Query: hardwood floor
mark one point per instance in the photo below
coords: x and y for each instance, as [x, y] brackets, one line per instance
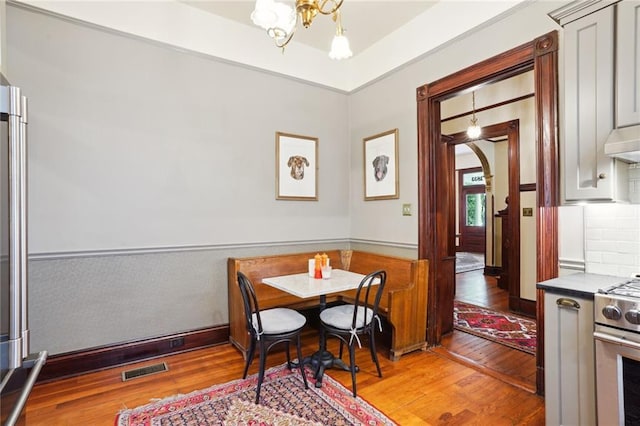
[502, 362]
[420, 388]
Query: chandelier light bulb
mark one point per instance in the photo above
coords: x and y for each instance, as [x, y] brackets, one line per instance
[474, 131]
[340, 48]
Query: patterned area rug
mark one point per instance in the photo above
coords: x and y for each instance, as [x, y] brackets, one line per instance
[466, 262]
[283, 401]
[507, 329]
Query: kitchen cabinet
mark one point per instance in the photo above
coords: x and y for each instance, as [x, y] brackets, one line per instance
[628, 64]
[569, 366]
[600, 94]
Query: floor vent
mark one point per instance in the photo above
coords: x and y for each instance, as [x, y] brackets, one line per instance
[144, 371]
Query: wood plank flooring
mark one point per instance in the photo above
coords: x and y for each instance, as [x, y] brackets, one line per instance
[511, 365]
[422, 388]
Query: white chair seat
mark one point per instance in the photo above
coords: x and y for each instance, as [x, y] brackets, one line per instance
[341, 316]
[279, 320]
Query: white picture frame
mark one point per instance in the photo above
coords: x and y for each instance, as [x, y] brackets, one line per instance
[381, 166]
[296, 167]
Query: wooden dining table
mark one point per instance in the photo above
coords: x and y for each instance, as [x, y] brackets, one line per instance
[304, 286]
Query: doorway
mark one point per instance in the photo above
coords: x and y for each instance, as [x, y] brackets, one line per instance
[436, 161]
[472, 211]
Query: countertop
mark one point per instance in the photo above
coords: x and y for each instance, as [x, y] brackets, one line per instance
[580, 284]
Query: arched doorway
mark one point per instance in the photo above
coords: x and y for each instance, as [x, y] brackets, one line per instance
[436, 240]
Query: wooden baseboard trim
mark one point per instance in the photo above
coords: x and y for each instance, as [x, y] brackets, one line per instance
[492, 271]
[523, 306]
[94, 359]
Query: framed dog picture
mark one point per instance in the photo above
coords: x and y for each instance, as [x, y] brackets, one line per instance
[296, 167]
[381, 166]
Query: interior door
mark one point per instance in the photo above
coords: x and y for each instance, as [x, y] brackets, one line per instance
[472, 210]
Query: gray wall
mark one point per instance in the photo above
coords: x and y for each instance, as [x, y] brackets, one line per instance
[150, 166]
[138, 151]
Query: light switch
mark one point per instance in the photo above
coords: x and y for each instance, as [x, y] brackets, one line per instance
[406, 210]
[527, 211]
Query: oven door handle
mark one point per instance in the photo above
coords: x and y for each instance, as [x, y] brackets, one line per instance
[607, 338]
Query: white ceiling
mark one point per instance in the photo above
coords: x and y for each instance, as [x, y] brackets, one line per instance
[365, 22]
[384, 35]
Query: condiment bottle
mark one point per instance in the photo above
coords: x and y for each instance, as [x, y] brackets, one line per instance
[318, 267]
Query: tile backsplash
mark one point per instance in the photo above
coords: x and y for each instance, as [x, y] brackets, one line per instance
[612, 239]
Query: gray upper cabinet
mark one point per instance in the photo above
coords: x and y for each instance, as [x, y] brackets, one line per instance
[588, 106]
[601, 92]
[628, 64]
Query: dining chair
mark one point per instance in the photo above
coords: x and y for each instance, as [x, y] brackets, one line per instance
[269, 328]
[348, 322]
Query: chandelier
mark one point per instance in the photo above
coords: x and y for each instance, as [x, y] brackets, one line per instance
[280, 20]
[474, 131]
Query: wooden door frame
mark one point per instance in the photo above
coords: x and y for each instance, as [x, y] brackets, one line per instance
[435, 159]
[510, 129]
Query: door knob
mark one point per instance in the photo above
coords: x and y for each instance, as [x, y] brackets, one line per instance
[602, 176]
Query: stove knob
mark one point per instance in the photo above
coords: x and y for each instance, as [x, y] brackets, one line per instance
[612, 312]
[633, 316]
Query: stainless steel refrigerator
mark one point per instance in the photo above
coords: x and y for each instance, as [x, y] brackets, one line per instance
[19, 368]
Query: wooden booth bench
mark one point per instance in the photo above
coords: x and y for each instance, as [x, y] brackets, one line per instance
[403, 302]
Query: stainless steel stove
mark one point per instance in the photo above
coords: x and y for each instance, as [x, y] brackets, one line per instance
[619, 305]
[617, 341]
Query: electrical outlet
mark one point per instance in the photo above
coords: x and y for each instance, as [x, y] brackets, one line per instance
[177, 342]
[406, 210]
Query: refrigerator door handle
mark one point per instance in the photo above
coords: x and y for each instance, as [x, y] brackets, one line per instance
[15, 344]
[24, 320]
[24, 395]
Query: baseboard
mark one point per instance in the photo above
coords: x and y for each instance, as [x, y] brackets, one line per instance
[94, 359]
[492, 271]
[523, 306]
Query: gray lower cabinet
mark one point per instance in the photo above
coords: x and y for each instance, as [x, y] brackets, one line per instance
[569, 367]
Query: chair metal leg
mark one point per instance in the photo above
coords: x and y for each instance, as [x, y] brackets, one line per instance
[263, 356]
[286, 347]
[341, 345]
[300, 363]
[352, 367]
[250, 354]
[374, 354]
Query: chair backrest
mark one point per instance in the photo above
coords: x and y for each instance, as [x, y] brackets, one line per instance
[367, 298]
[250, 301]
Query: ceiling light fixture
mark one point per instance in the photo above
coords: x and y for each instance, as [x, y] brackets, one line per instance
[474, 131]
[280, 20]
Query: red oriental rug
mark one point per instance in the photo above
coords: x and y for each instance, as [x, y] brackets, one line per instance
[283, 401]
[507, 329]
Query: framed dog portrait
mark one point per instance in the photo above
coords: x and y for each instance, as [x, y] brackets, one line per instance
[296, 167]
[381, 166]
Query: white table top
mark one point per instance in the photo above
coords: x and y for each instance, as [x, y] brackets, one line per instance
[302, 285]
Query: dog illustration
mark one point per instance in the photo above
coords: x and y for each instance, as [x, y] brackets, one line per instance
[380, 167]
[297, 164]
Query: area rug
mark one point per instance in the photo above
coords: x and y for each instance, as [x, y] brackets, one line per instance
[283, 401]
[466, 262]
[507, 329]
